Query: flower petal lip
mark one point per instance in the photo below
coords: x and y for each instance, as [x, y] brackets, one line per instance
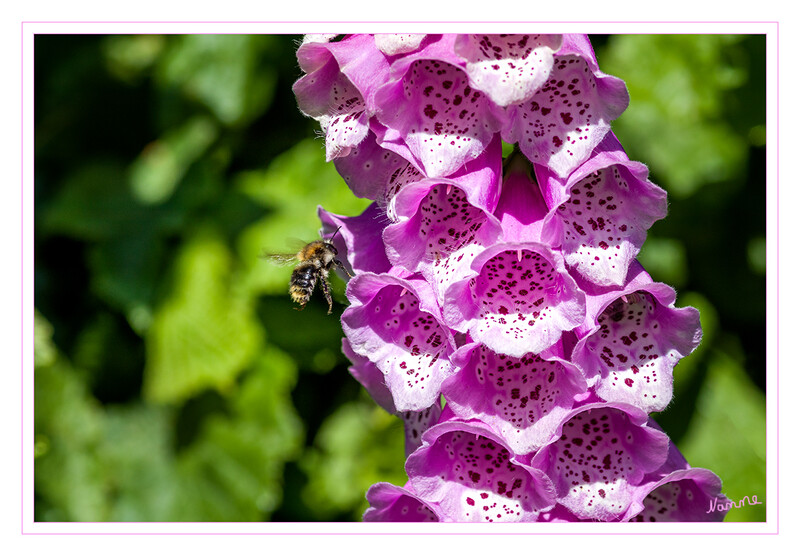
[507, 68]
[480, 181]
[371, 172]
[522, 399]
[437, 48]
[318, 37]
[355, 56]
[676, 491]
[599, 215]
[559, 514]
[393, 503]
[395, 323]
[392, 44]
[356, 239]
[682, 495]
[470, 474]
[571, 113]
[415, 424]
[338, 88]
[632, 339]
[372, 379]
[430, 108]
[519, 299]
[438, 231]
[599, 455]
[330, 98]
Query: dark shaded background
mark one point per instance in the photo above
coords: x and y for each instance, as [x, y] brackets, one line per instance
[174, 381]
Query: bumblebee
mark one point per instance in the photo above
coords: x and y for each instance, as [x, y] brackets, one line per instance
[315, 262]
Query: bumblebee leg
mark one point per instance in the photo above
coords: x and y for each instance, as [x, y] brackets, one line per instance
[338, 263]
[326, 289]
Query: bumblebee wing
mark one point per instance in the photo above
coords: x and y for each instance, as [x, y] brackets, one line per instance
[295, 244]
[280, 258]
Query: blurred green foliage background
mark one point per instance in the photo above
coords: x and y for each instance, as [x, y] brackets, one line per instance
[173, 379]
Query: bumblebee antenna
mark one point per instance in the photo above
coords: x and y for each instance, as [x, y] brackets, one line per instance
[334, 234]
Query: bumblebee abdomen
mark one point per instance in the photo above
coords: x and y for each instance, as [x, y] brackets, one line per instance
[299, 295]
[302, 283]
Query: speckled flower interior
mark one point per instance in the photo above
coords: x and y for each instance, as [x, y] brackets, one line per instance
[497, 306]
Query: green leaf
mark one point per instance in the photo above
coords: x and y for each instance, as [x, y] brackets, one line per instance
[203, 334]
[129, 56]
[44, 351]
[125, 270]
[95, 203]
[68, 431]
[728, 433]
[665, 260]
[291, 189]
[265, 396]
[676, 118]
[234, 471]
[222, 72]
[308, 335]
[139, 463]
[118, 463]
[155, 174]
[356, 447]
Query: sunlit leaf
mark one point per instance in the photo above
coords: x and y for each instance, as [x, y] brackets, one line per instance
[155, 174]
[222, 72]
[665, 260]
[202, 335]
[233, 471]
[44, 352]
[128, 56]
[356, 447]
[139, 464]
[729, 402]
[68, 429]
[675, 120]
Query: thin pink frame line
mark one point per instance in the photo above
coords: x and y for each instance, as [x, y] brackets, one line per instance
[22, 270]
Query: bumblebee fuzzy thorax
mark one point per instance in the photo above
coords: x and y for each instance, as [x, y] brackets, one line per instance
[321, 251]
[316, 260]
